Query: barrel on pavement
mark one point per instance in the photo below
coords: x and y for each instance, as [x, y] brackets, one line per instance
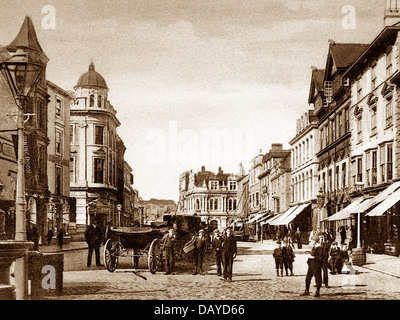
[45, 273]
[358, 256]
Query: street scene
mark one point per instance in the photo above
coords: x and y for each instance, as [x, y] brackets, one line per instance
[254, 278]
[181, 150]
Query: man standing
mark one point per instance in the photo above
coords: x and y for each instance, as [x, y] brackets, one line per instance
[314, 268]
[94, 237]
[229, 251]
[200, 247]
[217, 248]
[297, 237]
[168, 245]
[325, 245]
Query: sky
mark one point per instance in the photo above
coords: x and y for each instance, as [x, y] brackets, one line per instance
[200, 82]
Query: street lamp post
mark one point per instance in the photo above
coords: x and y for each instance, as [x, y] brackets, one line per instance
[22, 74]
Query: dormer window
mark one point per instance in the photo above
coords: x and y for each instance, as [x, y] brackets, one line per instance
[214, 185]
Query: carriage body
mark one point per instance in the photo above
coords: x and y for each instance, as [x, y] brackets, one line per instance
[146, 241]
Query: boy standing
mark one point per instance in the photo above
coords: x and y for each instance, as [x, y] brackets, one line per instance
[278, 256]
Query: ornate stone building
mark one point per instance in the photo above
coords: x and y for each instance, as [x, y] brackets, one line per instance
[211, 196]
[93, 151]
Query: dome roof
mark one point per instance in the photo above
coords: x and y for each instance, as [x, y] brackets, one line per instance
[91, 78]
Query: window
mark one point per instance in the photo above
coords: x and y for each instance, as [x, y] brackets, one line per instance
[98, 135]
[373, 75]
[58, 186]
[347, 120]
[98, 164]
[389, 163]
[388, 64]
[99, 101]
[374, 164]
[344, 175]
[373, 120]
[368, 169]
[382, 162]
[340, 125]
[59, 142]
[359, 170]
[91, 103]
[232, 185]
[326, 135]
[257, 199]
[389, 113]
[72, 170]
[359, 128]
[337, 177]
[328, 90]
[58, 107]
[214, 185]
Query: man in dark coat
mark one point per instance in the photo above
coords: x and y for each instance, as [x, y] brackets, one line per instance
[200, 247]
[325, 245]
[298, 238]
[94, 237]
[314, 268]
[229, 251]
[217, 249]
[168, 245]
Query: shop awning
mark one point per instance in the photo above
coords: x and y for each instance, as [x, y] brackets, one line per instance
[268, 216]
[257, 217]
[288, 219]
[346, 212]
[277, 222]
[271, 219]
[389, 202]
[362, 205]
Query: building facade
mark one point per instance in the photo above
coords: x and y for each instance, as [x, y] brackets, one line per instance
[304, 165]
[58, 150]
[333, 115]
[94, 151]
[211, 196]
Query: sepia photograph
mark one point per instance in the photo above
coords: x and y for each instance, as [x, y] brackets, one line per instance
[200, 157]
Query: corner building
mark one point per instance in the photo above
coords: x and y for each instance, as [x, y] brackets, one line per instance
[93, 163]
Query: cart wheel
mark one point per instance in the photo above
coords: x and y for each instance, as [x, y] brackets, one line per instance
[112, 250]
[154, 256]
[135, 259]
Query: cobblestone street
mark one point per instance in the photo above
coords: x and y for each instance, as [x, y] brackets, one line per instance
[254, 279]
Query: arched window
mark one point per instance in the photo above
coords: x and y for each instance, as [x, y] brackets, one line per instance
[91, 103]
[99, 101]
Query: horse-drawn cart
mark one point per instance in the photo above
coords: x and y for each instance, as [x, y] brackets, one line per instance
[141, 241]
[146, 241]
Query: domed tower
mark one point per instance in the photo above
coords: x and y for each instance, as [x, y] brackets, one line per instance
[93, 150]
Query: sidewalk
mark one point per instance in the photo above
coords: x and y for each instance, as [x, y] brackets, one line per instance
[66, 247]
[382, 263]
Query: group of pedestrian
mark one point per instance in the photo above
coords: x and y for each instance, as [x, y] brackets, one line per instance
[325, 255]
[225, 251]
[284, 258]
[33, 235]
